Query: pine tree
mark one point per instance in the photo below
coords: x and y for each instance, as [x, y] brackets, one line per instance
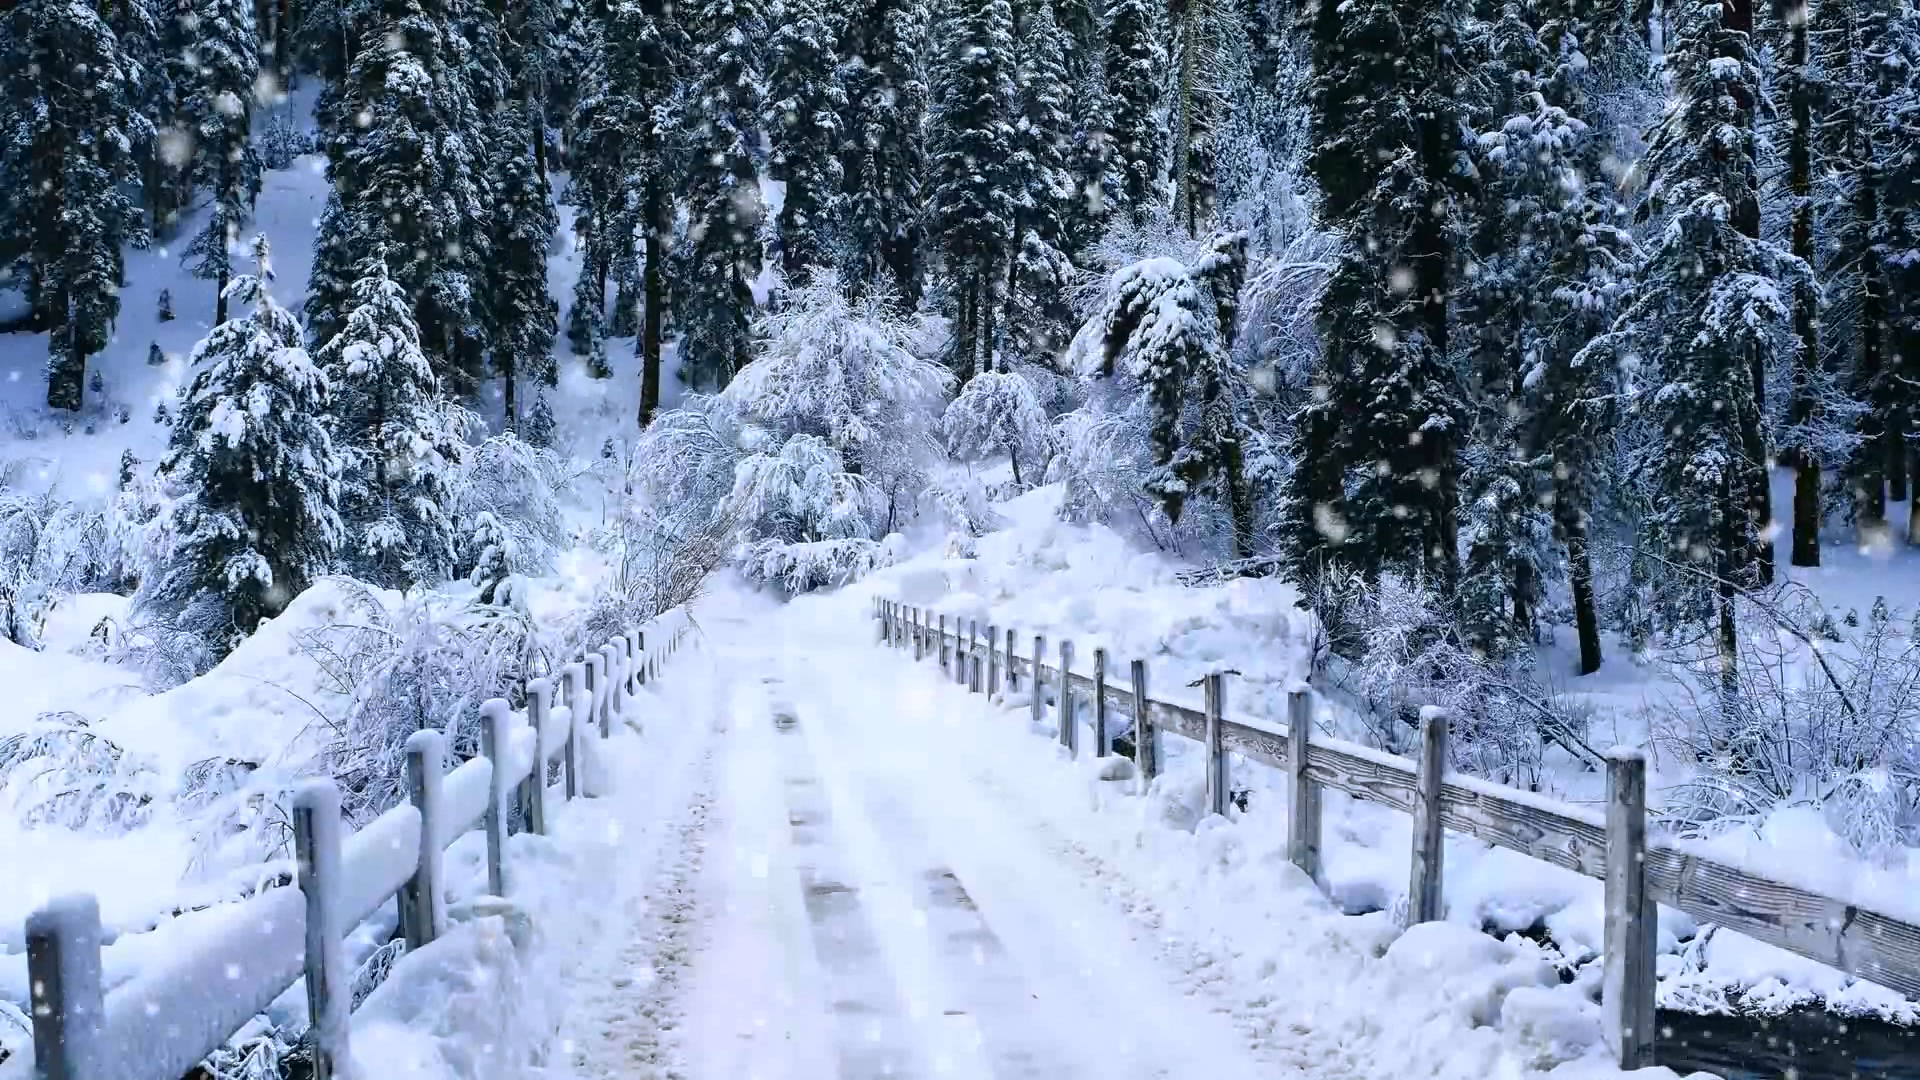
[255, 520]
[973, 188]
[804, 101]
[1195, 108]
[1046, 195]
[1709, 316]
[220, 109]
[393, 437]
[492, 562]
[524, 224]
[1892, 41]
[403, 154]
[1379, 490]
[1134, 65]
[885, 156]
[723, 193]
[68, 148]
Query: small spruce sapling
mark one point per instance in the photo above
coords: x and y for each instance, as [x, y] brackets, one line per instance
[492, 561]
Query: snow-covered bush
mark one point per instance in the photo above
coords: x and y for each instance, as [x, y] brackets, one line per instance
[49, 548]
[998, 413]
[520, 485]
[492, 550]
[59, 773]
[1831, 723]
[429, 663]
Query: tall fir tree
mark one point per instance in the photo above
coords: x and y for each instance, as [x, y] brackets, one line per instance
[883, 166]
[69, 145]
[220, 108]
[1379, 443]
[1045, 194]
[1135, 64]
[404, 158]
[393, 437]
[974, 186]
[725, 103]
[255, 519]
[1711, 314]
[804, 103]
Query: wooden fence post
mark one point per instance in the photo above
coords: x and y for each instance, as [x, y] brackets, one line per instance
[919, 637]
[973, 656]
[423, 915]
[634, 652]
[1039, 683]
[993, 659]
[1101, 743]
[1063, 701]
[67, 1003]
[1146, 736]
[596, 666]
[941, 643]
[1303, 818]
[1632, 919]
[1013, 678]
[1219, 793]
[1429, 839]
[959, 655]
[576, 677]
[316, 847]
[615, 678]
[494, 718]
[533, 807]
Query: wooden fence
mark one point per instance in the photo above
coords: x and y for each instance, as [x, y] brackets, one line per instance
[1640, 867]
[244, 955]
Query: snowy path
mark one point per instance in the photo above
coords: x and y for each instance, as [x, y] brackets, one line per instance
[842, 867]
[831, 897]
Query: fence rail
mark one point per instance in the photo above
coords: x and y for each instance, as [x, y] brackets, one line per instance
[244, 955]
[1640, 868]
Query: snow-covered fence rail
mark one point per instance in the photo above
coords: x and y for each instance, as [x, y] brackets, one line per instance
[1639, 867]
[241, 957]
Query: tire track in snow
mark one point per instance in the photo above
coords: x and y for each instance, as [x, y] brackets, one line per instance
[635, 1011]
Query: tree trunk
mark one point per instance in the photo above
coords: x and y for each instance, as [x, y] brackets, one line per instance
[1586, 620]
[220, 297]
[1187, 27]
[509, 390]
[653, 288]
[988, 301]
[1801, 410]
[1869, 491]
[67, 370]
[1896, 444]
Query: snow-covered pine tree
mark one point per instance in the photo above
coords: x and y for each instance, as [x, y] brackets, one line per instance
[974, 182]
[518, 301]
[492, 559]
[1711, 313]
[256, 483]
[69, 148]
[998, 413]
[1046, 196]
[394, 438]
[404, 153]
[804, 103]
[725, 104]
[1196, 106]
[884, 163]
[1892, 40]
[1135, 63]
[220, 109]
[1163, 338]
[1378, 486]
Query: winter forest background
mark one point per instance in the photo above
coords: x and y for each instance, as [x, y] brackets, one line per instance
[1538, 346]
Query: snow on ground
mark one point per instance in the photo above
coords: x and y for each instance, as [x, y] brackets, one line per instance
[899, 879]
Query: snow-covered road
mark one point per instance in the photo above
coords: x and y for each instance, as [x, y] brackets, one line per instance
[839, 866]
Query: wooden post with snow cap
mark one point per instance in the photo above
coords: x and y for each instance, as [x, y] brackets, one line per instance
[67, 1001]
[959, 655]
[940, 643]
[993, 659]
[1146, 736]
[1102, 744]
[1303, 795]
[973, 656]
[494, 741]
[596, 710]
[1429, 837]
[575, 675]
[1632, 919]
[329, 982]
[616, 678]
[423, 915]
[1039, 683]
[1219, 793]
[635, 651]
[919, 637]
[533, 804]
[1063, 701]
